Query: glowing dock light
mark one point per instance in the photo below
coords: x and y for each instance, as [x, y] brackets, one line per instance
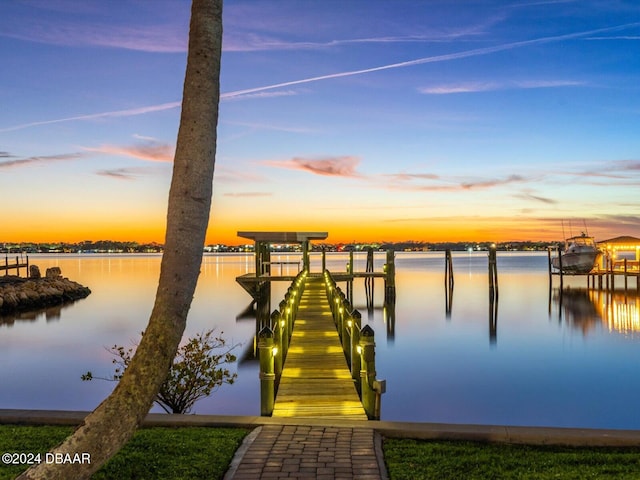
[274, 351]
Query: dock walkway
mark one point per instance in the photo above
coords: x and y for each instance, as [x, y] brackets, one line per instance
[316, 381]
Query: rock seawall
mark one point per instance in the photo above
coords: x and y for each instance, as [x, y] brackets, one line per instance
[19, 294]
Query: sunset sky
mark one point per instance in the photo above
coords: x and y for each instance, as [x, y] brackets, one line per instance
[372, 120]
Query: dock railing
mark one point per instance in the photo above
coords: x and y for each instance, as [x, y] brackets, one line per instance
[21, 262]
[359, 348]
[274, 340]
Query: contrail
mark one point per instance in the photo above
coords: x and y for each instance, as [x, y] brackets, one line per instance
[437, 58]
[433, 59]
[92, 116]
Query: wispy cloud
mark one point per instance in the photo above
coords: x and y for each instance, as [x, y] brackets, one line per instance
[472, 87]
[536, 198]
[41, 160]
[118, 174]
[343, 166]
[248, 194]
[614, 170]
[349, 73]
[438, 58]
[253, 42]
[492, 182]
[276, 128]
[436, 183]
[152, 151]
[167, 38]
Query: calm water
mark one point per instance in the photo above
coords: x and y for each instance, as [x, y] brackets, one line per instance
[540, 362]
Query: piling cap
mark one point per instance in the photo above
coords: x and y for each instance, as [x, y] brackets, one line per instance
[266, 332]
[367, 331]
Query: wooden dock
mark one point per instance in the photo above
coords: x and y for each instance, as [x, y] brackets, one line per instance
[316, 381]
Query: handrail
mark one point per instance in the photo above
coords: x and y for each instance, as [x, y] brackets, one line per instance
[359, 348]
[273, 343]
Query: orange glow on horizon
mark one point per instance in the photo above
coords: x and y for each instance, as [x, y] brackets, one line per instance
[148, 227]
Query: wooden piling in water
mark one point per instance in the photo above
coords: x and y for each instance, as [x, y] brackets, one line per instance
[448, 282]
[493, 273]
[390, 278]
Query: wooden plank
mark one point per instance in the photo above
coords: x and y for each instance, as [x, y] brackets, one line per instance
[316, 381]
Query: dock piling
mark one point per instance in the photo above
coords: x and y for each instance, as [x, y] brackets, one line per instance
[267, 372]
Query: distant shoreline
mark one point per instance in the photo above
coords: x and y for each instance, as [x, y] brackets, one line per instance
[108, 247]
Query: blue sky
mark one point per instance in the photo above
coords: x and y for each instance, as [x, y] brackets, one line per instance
[376, 120]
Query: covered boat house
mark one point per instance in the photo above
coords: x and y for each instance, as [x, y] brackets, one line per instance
[620, 253]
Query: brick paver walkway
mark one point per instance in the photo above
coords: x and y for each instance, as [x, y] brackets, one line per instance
[309, 452]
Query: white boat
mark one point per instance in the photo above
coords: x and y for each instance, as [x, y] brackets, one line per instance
[579, 255]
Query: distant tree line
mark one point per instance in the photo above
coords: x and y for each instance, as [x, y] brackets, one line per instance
[112, 246]
[87, 246]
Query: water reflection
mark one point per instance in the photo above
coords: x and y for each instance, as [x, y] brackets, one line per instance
[50, 314]
[458, 371]
[588, 309]
[619, 312]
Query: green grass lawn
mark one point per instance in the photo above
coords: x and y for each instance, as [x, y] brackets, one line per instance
[153, 453]
[201, 452]
[439, 460]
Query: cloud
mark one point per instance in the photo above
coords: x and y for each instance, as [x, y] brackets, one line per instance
[170, 37]
[126, 173]
[248, 91]
[493, 86]
[411, 176]
[415, 182]
[493, 182]
[344, 166]
[615, 170]
[253, 42]
[248, 194]
[266, 126]
[118, 174]
[153, 151]
[537, 198]
[5, 155]
[21, 162]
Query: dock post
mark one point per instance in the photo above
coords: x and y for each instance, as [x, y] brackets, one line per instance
[324, 258]
[345, 316]
[284, 324]
[493, 274]
[354, 329]
[390, 277]
[448, 282]
[267, 372]
[368, 373]
[625, 275]
[278, 346]
[613, 276]
[350, 281]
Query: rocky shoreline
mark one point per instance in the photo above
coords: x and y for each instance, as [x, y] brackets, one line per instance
[21, 294]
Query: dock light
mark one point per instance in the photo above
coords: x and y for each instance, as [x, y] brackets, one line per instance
[349, 323]
[282, 323]
[341, 310]
[359, 349]
[274, 351]
[288, 310]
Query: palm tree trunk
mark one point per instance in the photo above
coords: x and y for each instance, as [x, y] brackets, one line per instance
[114, 421]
